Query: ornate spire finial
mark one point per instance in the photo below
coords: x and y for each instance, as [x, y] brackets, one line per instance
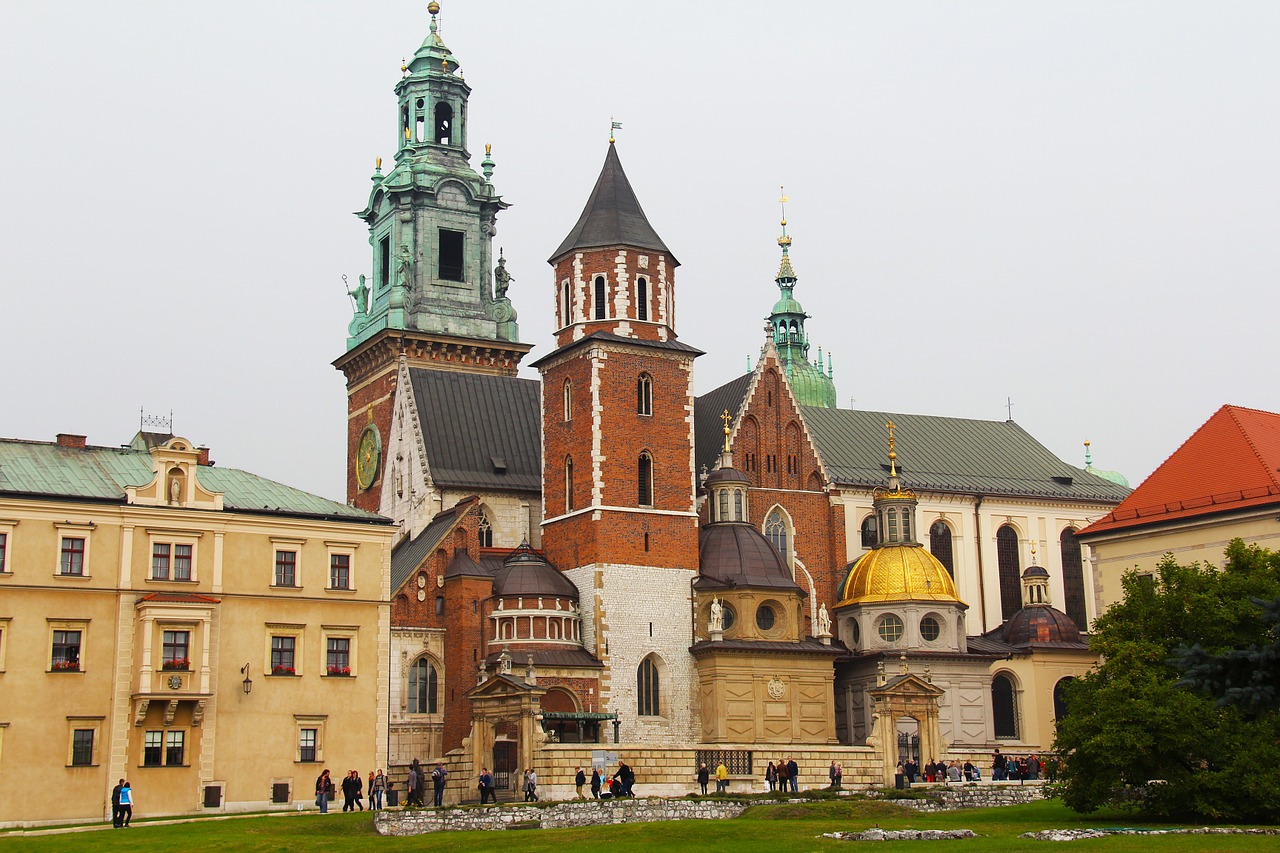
[433, 8]
[784, 241]
[726, 418]
[613, 125]
[1088, 456]
[377, 164]
[404, 67]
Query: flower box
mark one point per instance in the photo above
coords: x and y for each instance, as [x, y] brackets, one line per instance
[340, 671]
[282, 670]
[66, 666]
[178, 664]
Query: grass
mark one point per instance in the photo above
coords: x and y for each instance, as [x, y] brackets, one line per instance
[790, 826]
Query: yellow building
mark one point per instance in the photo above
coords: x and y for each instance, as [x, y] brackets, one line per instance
[212, 636]
[1220, 484]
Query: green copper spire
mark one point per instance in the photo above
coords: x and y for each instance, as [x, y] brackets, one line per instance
[809, 383]
[432, 217]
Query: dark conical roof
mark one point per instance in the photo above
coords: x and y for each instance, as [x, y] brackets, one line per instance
[613, 216]
[525, 573]
[739, 555]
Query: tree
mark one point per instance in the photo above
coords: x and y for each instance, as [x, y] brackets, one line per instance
[1138, 734]
[1247, 678]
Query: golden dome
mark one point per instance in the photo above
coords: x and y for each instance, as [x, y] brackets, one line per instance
[897, 573]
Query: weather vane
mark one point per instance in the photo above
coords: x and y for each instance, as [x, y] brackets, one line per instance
[613, 125]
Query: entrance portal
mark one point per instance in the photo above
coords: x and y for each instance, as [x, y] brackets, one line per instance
[908, 739]
[504, 764]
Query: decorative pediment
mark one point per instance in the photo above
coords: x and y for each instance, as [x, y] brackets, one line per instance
[503, 686]
[175, 479]
[907, 685]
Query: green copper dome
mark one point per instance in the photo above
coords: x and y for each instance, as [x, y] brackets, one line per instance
[1111, 476]
[811, 386]
[811, 383]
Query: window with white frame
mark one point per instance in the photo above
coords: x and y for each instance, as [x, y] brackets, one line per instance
[309, 736]
[4, 551]
[71, 559]
[172, 561]
[284, 648]
[66, 640]
[340, 651]
[83, 741]
[568, 399]
[4, 639]
[286, 571]
[423, 687]
[339, 571]
[644, 394]
[175, 650]
[307, 739]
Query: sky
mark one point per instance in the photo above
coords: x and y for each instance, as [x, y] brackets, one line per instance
[1071, 205]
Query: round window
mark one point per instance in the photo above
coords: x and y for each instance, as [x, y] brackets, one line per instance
[891, 629]
[855, 630]
[726, 618]
[930, 629]
[765, 617]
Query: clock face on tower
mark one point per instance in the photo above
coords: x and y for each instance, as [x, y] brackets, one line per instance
[368, 456]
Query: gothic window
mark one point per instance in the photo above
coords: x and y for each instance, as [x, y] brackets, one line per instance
[423, 684]
[1004, 708]
[568, 483]
[775, 530]
[644, 394]
[642, 299]
[444, 124]
[486, 530]
[648, 696]
[644, 477]
[1010, 571]
[451, 254]
[940, 546]
[566, 306]
[870, 535]
[568, 400]
[599, 301]
[1073, 578]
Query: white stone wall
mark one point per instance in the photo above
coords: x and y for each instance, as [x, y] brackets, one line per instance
[415, 735]
[630, 612]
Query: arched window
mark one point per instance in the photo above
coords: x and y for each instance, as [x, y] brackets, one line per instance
[870, 535]
[775, 530]
[940, 546]
[1073, 579]
[739, 507]
[1004, 708]
[1010, 571]
[642, 298]
[644, 478]
[486, 530]
[644, 394]
[724, 506]
[648, 696]
[444, 124]
[566, 306]
[568, 483]
[599, 302]
[568, 400]
[1060, 698]
[423, 684]
[420, 125]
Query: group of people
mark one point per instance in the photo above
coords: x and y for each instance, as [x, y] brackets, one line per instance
[354, 790]
[778, 776]
[121, 805]
[416, 784]
[1003, 768]
[1009, 768]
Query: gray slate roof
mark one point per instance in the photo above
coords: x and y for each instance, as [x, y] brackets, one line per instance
[935, 453]
[613, 216]
[473, 424]
[410, 553]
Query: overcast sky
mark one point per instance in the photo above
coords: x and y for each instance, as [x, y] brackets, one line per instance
[1074, 205]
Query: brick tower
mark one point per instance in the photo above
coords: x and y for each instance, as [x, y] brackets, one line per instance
[618, 481]
[437, 294]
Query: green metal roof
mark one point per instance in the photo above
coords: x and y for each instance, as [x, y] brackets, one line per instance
[44, 469]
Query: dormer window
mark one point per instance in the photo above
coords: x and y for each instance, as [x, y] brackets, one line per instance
[444, 124]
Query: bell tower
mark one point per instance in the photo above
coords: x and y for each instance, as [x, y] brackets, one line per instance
[437, 291]
[618, 482]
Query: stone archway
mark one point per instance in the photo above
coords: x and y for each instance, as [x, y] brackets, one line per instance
[895, 700]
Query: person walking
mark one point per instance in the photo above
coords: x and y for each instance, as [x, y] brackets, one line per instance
[704, 776]
[438, 777]
[771, 776]
[324, 790]
[413, 797]
[597, 782]
[831, 774]
[377, 789]
[793, 774]
[126, 804]
[997, 766]
[115, 805]
[722, 778]
[579, 780]
[486, 787]
[349, 788]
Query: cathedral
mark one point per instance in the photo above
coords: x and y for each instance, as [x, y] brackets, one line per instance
[601, 562]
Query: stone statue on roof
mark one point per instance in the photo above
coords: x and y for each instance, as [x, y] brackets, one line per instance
[717, 616]
[502, 279]
[824, 621]
[360, 296]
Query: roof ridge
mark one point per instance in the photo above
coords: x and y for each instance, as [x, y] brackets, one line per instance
[1248, 437]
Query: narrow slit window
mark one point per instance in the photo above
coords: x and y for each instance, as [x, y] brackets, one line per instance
[644, 471]
[384, 261]
[642, 299]
[599, 302]
[420, 126]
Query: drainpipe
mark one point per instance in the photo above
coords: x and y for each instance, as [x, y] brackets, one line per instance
[693, 611]
[982, 590]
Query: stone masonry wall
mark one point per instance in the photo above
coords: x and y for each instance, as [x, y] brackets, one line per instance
[556, 817]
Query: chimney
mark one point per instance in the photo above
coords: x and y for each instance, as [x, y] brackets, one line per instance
[202, 456]
[66, 439]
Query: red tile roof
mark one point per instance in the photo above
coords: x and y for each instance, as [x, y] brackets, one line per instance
[1230, 463]
[179, 598]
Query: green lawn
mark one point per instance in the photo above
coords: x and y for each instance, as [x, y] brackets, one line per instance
[790, 827]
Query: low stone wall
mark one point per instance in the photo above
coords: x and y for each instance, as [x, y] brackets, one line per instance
[570, 814]
[973, 796]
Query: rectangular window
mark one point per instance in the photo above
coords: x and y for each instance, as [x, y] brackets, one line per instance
[66, 651]
[451, 254]
[174, 746]
[160, 561]
[340, 571]
[384, 262]
[338, 656]
[286, 568]
[4, 550]
[152, 749]
[176, 648]
[82, 748]
[439, 605]
[282, 655]
[72, 556]
[307, 744]
[182, 562]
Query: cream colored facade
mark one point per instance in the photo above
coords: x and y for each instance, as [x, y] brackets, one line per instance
[109, 671]
[1201, 539]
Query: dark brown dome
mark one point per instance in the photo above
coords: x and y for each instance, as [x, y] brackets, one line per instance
[1035, 572]
[725, 475]
[738, 555]
[526, 574]
[1041, 625]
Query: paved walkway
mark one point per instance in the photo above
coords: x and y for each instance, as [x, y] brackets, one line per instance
[141, 824]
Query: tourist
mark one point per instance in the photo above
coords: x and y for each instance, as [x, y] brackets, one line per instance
[1033, 767]
[597, 781]
[771, 776]
[486, 787]
[530, 786]
[722, 778]
[117, 817]
[438, 775]
[580, 779]
[324, 791]
[839, 775]
[704, 776]
[930, 771]
[377, 789]
[126, 804]
[793, 774]
[628, 778]
[782, 775]
[350, 790]
[997, 766]
[415, 780]
[953, 772]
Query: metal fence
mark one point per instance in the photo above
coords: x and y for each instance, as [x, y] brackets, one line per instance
[736, 761]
